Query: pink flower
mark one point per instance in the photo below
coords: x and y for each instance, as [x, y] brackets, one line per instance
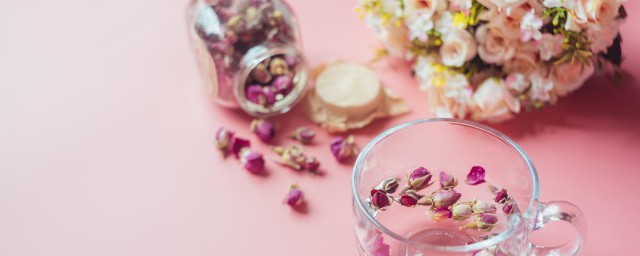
[379, 248]
[508, 207]
[458, 47]
[409, 198]
[283, 85]
[237, 144]
[343, 148]
[304, 135]
[501, 196]
[568, 77]
[264, 129]
[445, 198]
[223, 140]
[380, 200]
[495, 46]
[517, 82]
[441, 214]
[530, 27]
[252, 161]
[484, 207]
[549, 45]
[311, 164]
[420, 178]
[295, 197]
[461, 211]
[493, 102]
[447, 181]
[486, 221]
[389, 185]
[476, 176]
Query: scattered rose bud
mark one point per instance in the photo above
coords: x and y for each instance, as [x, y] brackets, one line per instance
[441, 214]
[389, 185]
[501, 196]
[461, 211]
[311, 164]
[237, 144]
[295, 196]
[447, 181]
[343, 148]
[380, 200]
[483, 222]
[264, 129]
[304, 135]
[278, 66]
[445, 198]
[291, 157]
[409, 198]
[252, 160]
[484, 207]
[283, 85]
[420, 178]
[223, 140]
[476, 176]
[261, 74]
[425, 200]
[508, 207]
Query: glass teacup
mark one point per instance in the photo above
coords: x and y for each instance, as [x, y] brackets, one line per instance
[454, 147]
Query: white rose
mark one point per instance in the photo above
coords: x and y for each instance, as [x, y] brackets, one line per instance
[568, 77]
[599, 11]
[427, 8]
[500, 4]
[494, 46]
[493, 102]
[601, 36]
[458, 47]
[452, 98]
[524, 61]
[517, 82]
[541, 87]
[419, 27]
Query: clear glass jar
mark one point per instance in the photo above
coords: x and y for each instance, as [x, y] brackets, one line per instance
[249, 53]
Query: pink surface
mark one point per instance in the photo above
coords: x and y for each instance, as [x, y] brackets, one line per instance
[106, 143]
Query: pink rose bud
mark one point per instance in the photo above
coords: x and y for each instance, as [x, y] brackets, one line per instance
[303, 134]
[291, 60]
[311, 164]
[252, 161]
[425, 200]
[441, 214]
[486, 221]
[283, 85]
[343, 148]
[420, 178]
[409, 198]
[461, 211]
[484, 207]
[255, 94]
[476, 176]
[223, 140]
[264, 129]
[261, 74]
[295, 197]
[380, 200]
[237, 144]
[389, 185]
[269, 96]
[508, 207]
[501, 196]
[447, 181]
[445, 198]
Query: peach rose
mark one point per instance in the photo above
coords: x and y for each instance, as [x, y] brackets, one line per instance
[458, 47]
[568, 77]
[493, 102]
[494, 45]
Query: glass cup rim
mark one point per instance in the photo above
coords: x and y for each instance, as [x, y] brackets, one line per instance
[514, 221]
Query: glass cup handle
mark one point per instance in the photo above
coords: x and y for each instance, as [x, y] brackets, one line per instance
[561, 211]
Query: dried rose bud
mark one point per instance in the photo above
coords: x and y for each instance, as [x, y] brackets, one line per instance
[409, 198]
[264, 129]
[311, 164]
[261, 74]
[501, 196]
[252, 161]
[447, 181]
[278, 66]
[441, 214]
[292, 157]
[291, 60]
[343, 148]
[223, 140]
[483, 222]
[420, 178]
[445, 198]
[425, 200]
[295, 196]
[508, 207]
[304, 135]
[461, 211]
[484, 207]
[380, 199]
[255, 94]
[237, 144]
[389, 185]
[269, 96]
[476, 176]
[283, 85]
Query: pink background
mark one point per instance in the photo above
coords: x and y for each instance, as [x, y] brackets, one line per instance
[106, 140]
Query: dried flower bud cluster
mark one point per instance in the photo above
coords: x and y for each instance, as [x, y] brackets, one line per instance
[443, 202]
[303, 134]
[271, 80]
[295, 158]
[343, 148]
[228, 143]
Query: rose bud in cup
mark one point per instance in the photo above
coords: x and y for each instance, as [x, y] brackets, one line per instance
[445, 198]
[484, 207]
[508, 207]
[447, 181]
[264, 129]
[343, 148]
[295, 197]
[380, 200]
[223, 140]
[409, 198]
[441, 214]
[501, 196]
[420, 178]
[483, 222]
[461, 211]
[252, 161]
[304, 135]
[389, 185]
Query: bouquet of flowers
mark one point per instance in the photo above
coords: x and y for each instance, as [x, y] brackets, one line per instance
[490, 59]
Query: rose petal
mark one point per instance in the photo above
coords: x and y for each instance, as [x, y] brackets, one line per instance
[476, 176]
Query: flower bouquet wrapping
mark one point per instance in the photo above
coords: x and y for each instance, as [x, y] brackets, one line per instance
[491, 59]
